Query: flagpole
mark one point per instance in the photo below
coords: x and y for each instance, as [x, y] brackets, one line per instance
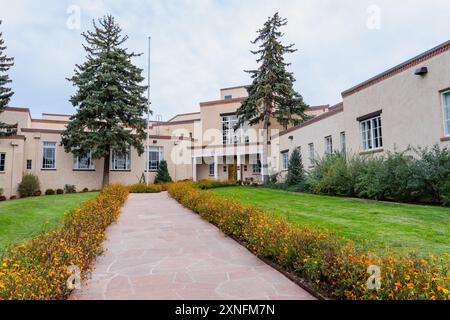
[147, 164]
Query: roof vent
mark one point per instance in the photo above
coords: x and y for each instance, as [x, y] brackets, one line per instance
[421, 71]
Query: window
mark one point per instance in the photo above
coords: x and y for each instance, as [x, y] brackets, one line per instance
[446, 103]
[312, 153]
[49, 156]
[211, 169]
[257, 167]
[120, 162]
[328, 145]
[84, 162]
[371, 133]
[343, 143]
[29, 164]
[285, 160]
[153, 157]
[231, 136]
[228, 97]
[2, 162]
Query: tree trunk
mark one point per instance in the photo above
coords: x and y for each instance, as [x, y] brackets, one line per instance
[265, 153]
[106, 170]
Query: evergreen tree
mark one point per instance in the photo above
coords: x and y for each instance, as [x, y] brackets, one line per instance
[296, 172]
[271, 94]
[5, 93]
[109, 99]
[163, 175]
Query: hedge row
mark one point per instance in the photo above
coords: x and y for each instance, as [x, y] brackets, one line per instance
[416, 175]
[38, 269]
[144, 188]
[331, 264]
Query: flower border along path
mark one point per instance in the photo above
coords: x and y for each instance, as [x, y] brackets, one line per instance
[160, 250]
[39, 269]
[330, 264]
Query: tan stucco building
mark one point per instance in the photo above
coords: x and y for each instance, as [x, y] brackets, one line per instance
[408, 105]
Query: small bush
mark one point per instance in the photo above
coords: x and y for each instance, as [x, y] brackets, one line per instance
[2, 198]
[13, 198]
[144, 188]
[296, 172]
[50, 192]
[59, 191]
[69, 188]
[37, 270]
[332, 264]
[37, 193]
[28, 186]
[212, 184]
[85, 190]
[163, 175]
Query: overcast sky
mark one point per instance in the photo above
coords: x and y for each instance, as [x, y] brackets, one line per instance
[200, 46]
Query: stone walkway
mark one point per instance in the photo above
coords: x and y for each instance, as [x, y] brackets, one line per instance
[159, 250]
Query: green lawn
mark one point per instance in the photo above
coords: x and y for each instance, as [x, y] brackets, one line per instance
[24, 218]
[420, 228]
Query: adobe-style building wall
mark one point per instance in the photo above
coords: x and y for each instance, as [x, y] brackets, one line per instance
[410, 108]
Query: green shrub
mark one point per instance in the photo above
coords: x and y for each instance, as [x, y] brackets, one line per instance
[144, 188]
[85, 190]
[296, 172]
[59, 191]
[28, 186]
[12, 198]
[212, 184]
[163, 175]
[49, 192]
[331, 175]
[69, 188]
[37, 193]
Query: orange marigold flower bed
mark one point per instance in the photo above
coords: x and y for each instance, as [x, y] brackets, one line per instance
[331, 264]
[38, 269]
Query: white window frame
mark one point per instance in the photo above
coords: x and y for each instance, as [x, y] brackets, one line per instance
[3, 161]
[48, 165]
[257, 167]
[343, 142]
[329, 145]
[153, 165]
[446, 112]
[285, 160]
[91, 162]
[116, 157]
[312, 152]
[231, 136]
[371, 134]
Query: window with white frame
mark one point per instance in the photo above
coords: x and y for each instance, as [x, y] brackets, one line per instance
[120, 161]
[154, 156]
[211, 169]
[312, 152]
[371, 133]
[446, 103]
[2, 162]
[257, 167]
[343, 143]
[285, 160]
[84, 162]
[49, 156]
[231, 136]
[329, 145]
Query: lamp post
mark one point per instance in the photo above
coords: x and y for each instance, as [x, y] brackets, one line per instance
[147, 167]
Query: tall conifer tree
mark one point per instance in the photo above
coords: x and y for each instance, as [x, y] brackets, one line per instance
[271, 94]
[5, 92]
[110, 100]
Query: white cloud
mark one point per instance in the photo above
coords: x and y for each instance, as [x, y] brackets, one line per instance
[199, 46]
